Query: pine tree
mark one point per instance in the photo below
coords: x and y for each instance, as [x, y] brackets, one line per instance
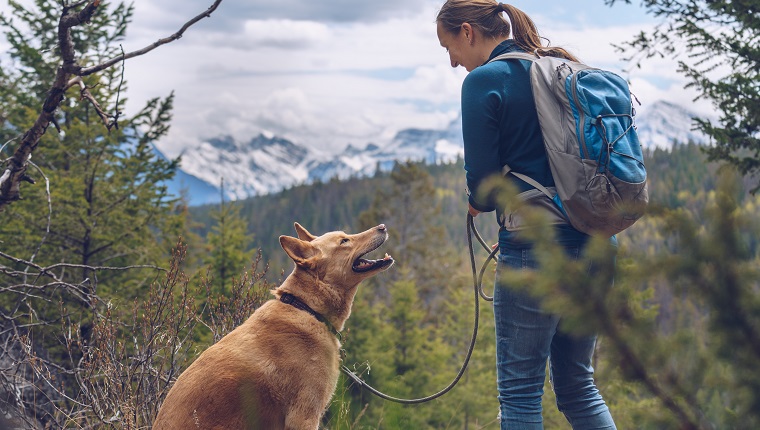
[419, 246]
[718, 46]
[228, 243]
[98, 223]
[395, 350]
[681, 325]
[69, 61]
[474, 399]
[107, 202]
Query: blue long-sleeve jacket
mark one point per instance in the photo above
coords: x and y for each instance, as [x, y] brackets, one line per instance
[500, 125]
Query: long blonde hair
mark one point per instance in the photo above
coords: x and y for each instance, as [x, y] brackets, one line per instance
[485, 15]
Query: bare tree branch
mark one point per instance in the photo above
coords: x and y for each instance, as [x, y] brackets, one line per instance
[90, 70]
[16, 165]
[14, 168]
[87, 95]
[50, 213]
[69, 20]
[49, 269]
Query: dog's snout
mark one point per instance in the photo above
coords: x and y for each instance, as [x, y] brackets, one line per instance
[381, 227]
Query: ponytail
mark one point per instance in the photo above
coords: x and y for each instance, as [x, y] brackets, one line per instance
[526, 35]
[485, 15]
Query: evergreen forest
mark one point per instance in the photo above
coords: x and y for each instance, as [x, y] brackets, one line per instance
[411, 326]
[110, 287]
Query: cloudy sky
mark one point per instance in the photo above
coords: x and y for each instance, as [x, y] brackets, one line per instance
[329, 73]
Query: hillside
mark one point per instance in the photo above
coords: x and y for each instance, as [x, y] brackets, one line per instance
[338, 204]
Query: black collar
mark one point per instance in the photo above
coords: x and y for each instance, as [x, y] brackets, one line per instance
[294, 301]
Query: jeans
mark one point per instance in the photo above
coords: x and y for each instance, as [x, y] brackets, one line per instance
[526, 337]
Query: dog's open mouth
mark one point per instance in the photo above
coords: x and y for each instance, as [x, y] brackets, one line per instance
[362, 265]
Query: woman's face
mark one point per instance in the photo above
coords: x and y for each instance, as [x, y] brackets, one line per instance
[461, 51]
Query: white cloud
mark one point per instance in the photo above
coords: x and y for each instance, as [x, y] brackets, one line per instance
[652, 80]
[276, 34]
[287, 109]
[648, 94]
[333, 11]
[329, 85]
[331, 73]
[285, 33]
[439, 84]
[321, 85]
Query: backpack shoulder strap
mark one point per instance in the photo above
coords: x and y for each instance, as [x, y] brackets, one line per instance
[506, 170]
[516, 55]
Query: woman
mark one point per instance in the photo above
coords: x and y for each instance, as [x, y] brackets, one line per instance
[500, 127]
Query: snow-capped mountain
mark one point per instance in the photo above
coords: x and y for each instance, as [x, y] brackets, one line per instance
[262, 165]
[430, 146]
[268, 163]
[663, 123]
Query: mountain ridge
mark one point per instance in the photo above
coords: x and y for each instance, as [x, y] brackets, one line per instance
[268, 163]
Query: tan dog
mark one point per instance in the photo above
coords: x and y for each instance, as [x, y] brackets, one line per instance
[279, 369]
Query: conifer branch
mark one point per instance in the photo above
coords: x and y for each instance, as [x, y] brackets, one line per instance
[14, 169]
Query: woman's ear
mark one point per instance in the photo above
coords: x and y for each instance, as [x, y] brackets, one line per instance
[468, 32]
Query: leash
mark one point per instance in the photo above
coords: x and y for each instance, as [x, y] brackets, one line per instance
[491, 256]
[478, 290]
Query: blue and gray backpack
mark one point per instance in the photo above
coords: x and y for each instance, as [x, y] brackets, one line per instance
[586, 118]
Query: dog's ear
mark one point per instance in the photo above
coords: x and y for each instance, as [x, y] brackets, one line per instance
[303, 234]
[301, 252]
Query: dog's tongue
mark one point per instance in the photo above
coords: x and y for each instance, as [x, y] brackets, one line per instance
[363, 264]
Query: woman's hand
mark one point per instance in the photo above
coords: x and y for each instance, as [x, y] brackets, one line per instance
[474, 212]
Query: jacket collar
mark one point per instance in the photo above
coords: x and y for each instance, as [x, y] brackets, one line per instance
[508, 45]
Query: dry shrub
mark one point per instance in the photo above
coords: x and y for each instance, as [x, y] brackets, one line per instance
[118, 375]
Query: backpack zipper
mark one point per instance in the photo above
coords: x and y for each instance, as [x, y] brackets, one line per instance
[581, 127]
[563, 70]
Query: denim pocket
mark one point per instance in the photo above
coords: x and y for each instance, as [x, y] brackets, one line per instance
[516, 259]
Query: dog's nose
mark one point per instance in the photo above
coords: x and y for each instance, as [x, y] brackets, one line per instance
[381, 227]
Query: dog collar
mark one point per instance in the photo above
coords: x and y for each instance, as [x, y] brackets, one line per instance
[294, 301]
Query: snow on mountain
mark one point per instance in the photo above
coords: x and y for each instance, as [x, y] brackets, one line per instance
[268, 163]
[260, 166]
[665, 123]
[430, 146]
[185, 184]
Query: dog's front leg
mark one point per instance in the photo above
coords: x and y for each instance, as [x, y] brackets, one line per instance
[302, 422]
[303, 418]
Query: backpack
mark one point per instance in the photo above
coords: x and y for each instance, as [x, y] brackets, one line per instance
[586, 118]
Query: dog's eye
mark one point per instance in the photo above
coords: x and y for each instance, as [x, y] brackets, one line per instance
[344, 240]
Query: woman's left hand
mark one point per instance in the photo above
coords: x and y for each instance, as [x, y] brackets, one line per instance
[474, 212]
